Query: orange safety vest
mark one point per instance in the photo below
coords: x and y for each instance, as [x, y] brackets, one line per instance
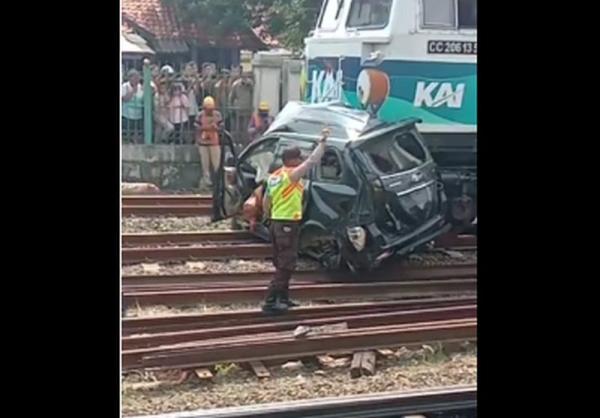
[208, 137]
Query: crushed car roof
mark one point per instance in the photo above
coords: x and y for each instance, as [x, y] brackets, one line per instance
[345, 122]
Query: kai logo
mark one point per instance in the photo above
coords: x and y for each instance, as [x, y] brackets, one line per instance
[326, 86]
[439, 94]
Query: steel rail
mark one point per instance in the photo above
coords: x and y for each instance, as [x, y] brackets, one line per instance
[329, 291]
[372, 405]
[173, 323]
[282, 345]
[354, 320]
[391, 273]
[179, 238]
[203, 252]
[175, 210]
[166, 199]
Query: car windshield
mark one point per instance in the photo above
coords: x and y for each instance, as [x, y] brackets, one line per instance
[395, 153]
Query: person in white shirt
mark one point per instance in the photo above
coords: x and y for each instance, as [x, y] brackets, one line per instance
[192, 85]
[162, 127]
[179, 107]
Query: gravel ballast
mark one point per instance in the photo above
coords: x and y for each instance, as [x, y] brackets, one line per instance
[132, 224]
[147, 393]
[430, 258]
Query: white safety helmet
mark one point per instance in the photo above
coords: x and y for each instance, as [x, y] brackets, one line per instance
[167, 70]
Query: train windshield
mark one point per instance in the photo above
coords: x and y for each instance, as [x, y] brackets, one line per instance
[369, 13]
[330, 14]
[450, 14]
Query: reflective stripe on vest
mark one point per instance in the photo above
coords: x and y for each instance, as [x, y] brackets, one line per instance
[286, 197]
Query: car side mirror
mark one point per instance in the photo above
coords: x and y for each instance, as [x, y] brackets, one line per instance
[230, 161]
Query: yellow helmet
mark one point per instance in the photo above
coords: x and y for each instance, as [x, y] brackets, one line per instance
[263, 106]
[208, 103]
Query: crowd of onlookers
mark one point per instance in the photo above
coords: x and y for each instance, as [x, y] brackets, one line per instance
[177, 100]
[193, 108]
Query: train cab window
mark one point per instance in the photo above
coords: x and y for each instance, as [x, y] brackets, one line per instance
[439, 13]
[467, 14]
[330, 14]
[369, 13]
[331, 167]
[450, 14]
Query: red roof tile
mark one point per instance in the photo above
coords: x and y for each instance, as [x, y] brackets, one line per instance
[161, 21]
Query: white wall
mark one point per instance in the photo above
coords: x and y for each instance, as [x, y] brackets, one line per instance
[272, 72]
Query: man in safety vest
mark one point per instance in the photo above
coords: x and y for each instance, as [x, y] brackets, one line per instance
[282, 203]
[259, 122]
[208, 124]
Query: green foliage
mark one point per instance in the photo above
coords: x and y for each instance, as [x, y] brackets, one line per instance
[288, 20]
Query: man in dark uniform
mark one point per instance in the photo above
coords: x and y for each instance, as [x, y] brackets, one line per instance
[282, 203]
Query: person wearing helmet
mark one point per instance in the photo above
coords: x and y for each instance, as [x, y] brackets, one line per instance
[208, 124]
[167, 71]
[259, 122]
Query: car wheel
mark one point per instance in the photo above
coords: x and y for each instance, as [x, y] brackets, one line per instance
[326, 250]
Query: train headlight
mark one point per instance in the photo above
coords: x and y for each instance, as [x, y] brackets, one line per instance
[358, 237]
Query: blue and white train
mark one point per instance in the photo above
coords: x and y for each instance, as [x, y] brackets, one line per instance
[406, 58]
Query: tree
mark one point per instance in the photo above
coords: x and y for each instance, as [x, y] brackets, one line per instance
[288, 20]
[292, 20]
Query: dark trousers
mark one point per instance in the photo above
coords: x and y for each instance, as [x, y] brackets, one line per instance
[285, 237]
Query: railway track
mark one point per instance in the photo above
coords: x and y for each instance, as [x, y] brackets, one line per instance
[153, 332]
[166, 205]
[283, 345]
[184, 246]
[185, 238]
[201, 340]
[394, 272]
[192, 322]
[193, 341]
[191, 238]
[311, 291]
[458, 401]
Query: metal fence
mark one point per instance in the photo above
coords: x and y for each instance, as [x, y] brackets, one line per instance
[149, 119]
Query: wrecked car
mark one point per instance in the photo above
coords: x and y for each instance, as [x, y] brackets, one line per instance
[375, 194]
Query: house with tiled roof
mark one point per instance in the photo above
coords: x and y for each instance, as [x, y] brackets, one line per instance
[175, 41]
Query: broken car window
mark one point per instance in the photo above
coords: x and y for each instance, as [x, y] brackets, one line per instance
[395, 154]
[260, 159]
[331, 168]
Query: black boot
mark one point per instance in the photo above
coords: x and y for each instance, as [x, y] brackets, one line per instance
[273, 303]
[285, 298]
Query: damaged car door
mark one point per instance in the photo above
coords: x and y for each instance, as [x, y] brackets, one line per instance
[406, 194]
[333, 194]
[237, 180]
